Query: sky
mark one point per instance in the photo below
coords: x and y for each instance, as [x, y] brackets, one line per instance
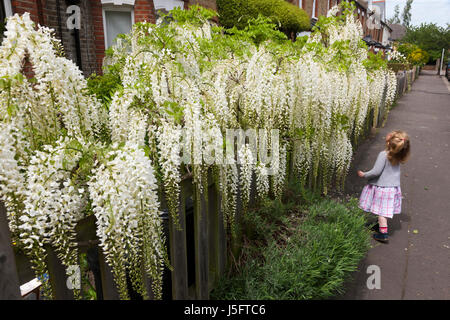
[436, 11]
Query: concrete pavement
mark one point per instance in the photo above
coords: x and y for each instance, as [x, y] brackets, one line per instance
[416, 262]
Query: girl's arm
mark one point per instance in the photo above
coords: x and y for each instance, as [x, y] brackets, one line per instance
[378, 167]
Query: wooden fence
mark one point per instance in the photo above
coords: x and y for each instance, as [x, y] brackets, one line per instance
[405, 78]
[197, 252]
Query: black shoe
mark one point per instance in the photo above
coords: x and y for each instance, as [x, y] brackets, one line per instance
[382, 237]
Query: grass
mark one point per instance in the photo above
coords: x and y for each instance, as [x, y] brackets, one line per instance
[304, 247]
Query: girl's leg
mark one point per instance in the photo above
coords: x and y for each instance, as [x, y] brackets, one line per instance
[382, 222]
[383, 229]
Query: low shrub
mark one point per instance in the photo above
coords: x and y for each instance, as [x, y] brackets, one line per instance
[288, 17]
[298, 251]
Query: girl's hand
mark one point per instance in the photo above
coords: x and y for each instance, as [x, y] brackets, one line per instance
[360, 174]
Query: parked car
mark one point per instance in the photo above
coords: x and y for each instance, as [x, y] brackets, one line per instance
[447, 71]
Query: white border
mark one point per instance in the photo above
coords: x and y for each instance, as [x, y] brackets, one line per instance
[8, 8]
[168, 4]
[119, 2]
[115, 8]
[313, 13]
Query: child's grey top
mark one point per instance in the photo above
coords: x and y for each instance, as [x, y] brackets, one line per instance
[383, 173]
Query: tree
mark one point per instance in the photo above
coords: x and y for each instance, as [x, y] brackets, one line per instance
[429, 37]
[406, 15]
[395, 18]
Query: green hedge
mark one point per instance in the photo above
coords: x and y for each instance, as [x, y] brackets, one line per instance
[237, 12]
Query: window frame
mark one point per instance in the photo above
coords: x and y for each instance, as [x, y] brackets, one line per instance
[118, 2]
[314, 9]
[119, 8]
[172, 3]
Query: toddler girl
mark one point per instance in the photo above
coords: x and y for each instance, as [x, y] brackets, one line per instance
[382, 195]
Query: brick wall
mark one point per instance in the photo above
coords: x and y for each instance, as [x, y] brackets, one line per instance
[88, 40]
[98, 33]
[22, 6]
[144, 10]
[52, 13]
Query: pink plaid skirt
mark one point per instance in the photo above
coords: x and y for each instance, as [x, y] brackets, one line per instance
[382, 201]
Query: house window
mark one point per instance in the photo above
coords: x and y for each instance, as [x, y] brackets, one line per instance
[117, 19]
[300, 3]
[164, 6]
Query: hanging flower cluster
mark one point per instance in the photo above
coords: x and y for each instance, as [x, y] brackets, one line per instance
[397, 57]
[42, 117]
[125, 202]
[185, 85]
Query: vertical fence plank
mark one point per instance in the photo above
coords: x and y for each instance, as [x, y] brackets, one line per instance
[236, 242]
[109, 289]
[217, 241]
[178, 251]
[57, 276]
[213, 235]
[222, 237]
[201, 247]
[9, 281]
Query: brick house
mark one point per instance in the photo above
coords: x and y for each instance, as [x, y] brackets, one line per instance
[316, 8]
[88, 27]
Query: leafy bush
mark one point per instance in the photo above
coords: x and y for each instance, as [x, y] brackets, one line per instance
[418, 57]
[258, 31]
[104, 86]
[288, 17]
[374, 61]
[414, 54]
[307, 256]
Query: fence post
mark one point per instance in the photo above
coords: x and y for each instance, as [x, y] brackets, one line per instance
[9, 281]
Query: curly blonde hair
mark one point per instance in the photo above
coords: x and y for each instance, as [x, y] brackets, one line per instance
[398, 147]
